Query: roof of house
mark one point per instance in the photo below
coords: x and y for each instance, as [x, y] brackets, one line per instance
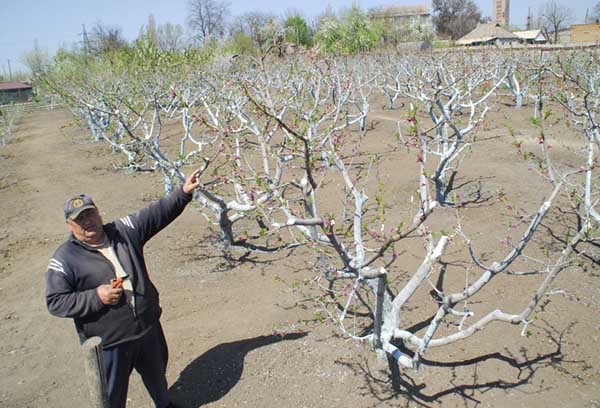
[13, 86]
[486, 32]
[400, 11]
[529, 34]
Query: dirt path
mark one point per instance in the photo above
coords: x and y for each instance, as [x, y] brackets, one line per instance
[219, 317]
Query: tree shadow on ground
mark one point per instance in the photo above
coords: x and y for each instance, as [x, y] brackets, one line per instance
[470, 192]
[216, 257]
[212, 375]
[407, 387]
[563, 223]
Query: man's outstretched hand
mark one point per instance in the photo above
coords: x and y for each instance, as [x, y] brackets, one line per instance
[191, 182]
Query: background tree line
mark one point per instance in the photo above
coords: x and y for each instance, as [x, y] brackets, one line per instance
[211, 23]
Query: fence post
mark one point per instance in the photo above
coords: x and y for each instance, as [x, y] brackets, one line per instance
[94, 370]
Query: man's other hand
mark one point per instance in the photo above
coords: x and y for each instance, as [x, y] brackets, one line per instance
[109, 295]
[191, 182]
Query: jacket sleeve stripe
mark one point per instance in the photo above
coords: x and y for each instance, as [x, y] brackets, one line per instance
[56, 265]
[54, 268]
[127, 222]
[56, 261]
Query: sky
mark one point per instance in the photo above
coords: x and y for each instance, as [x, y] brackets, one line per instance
[59, 23]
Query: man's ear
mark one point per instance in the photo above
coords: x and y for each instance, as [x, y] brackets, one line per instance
[70, 223]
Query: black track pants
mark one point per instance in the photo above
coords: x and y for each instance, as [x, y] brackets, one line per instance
[148, 355]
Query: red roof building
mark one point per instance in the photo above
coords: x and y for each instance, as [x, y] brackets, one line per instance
[15, 92]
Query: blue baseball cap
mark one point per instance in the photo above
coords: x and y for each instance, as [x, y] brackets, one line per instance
[76, 204]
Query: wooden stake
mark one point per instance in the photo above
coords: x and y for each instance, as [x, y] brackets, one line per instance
[94, 370]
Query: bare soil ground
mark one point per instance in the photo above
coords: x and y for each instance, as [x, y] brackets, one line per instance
[220, 316]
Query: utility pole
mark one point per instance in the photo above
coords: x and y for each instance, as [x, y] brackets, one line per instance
[9, 71]
[587, 15]
[85, 41]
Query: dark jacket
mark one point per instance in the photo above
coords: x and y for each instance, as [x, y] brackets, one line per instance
[76, 270]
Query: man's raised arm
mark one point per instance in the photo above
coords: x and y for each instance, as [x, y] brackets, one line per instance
[150, 220]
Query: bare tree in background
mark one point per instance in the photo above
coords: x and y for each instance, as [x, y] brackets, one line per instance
[597, 11]
[105, 38]
[555, 17]
[261, 27]
[207, 18]
[36, 60]
[455, 18]
[169, 37]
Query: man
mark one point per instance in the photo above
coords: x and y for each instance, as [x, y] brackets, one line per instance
[98, 277]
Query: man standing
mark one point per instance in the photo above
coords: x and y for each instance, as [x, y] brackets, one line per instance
[98, 277]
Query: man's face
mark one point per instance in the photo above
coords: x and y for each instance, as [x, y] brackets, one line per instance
[87, 227]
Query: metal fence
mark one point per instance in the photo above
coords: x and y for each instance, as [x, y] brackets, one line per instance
[31, 106]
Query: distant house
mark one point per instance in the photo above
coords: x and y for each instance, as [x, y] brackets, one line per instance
[489, 34]
[399, 14]
[400, 22]
[585, 33]
[531, 37]
[15, 92]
